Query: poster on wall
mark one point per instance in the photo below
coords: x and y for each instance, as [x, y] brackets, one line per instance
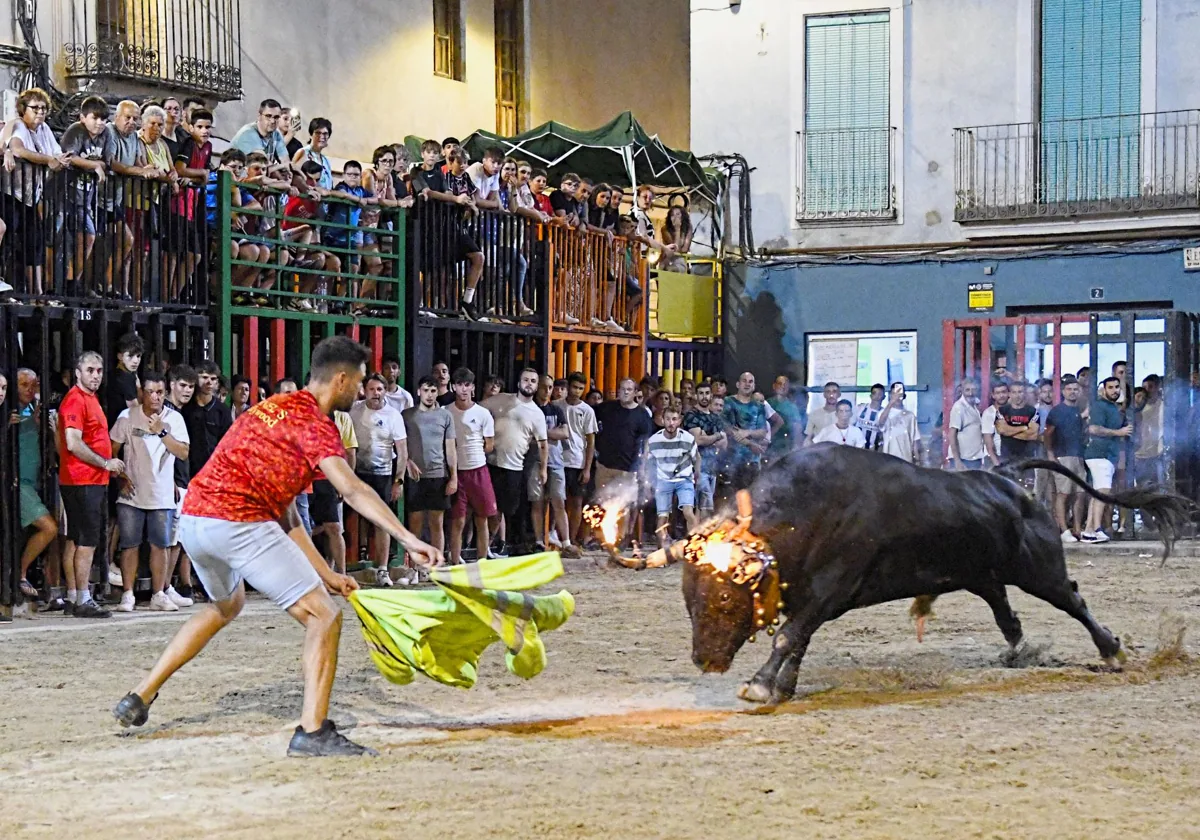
[859, 360]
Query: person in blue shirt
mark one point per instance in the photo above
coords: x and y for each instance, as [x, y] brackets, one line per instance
[1107, 431]
[349, 199]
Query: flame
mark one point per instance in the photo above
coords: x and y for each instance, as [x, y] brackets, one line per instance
[606, 519]
[719, 555]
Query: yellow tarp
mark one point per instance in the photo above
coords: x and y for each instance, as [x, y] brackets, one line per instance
[442, 632]
[687, 304]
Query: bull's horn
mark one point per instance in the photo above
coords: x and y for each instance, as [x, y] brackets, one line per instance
[661, 557]
[745, 505]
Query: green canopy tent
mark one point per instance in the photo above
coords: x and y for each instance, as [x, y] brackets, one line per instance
[620, 152]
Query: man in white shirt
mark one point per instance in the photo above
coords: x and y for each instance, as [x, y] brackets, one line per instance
[580, 448]
[396, 396]
[381, 435]
[486, 176]
[520, 424]
[869, 418]
[824, 416]
[966, 430]
[676, 472]
[475, 437]
[992, 441]
[148, 440]
[841, 432]
[898, 427]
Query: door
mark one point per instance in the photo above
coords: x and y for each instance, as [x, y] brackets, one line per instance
[510, 66]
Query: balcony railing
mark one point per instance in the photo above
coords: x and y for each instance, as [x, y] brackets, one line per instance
[179, 44]
[595, 282]
[846, 174]
[1085, 167]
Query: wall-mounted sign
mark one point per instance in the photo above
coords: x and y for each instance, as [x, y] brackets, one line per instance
[981, 297]
[1097, 293]
[1191, 259]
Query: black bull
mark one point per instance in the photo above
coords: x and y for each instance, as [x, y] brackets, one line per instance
[851, 528]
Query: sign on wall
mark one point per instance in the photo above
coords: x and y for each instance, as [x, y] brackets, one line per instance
[981, 297]
[1191, 259]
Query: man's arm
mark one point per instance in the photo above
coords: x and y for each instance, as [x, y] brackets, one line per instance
[543, 460]
[703, 439]
[955, 455]
[776, 422]
[558, 433]
[489, 444]
[1103, 431]
[1048, 442]
[83, 452]
[401, 467]
[589, 454]
[366, 501]
[352, 458]
[451, 466]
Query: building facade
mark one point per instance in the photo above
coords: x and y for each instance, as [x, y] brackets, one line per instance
[1044, 154]
[379, 71]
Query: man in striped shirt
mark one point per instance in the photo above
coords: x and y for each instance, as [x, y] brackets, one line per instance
[676, 471]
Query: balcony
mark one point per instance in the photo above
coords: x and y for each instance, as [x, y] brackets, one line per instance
[846, 174]
[184, 45]
[1096, 166]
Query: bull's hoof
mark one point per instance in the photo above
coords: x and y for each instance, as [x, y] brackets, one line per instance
[754, 692]
[1114, 663]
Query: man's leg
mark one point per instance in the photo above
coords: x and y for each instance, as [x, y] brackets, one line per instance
[129, 568]
[190, 640]
[45, 531]
[457, 523]
[383, 545]
[437, 532]
[558, 516]
[481, 537]
[689, 516]
[158, 569]
[1060, 510]
[322, 620]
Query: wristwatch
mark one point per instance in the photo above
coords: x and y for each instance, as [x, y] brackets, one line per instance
[163, 433]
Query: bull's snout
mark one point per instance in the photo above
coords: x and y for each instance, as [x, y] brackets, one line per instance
[710, 666]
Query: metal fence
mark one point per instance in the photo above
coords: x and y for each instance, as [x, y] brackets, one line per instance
[71, 237]
[846, 174]
[1081, 167]
[514, 253]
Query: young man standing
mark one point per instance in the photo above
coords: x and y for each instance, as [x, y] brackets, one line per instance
[898, 427]
[397, 397]
[240, 526]
[791, 432]
[151, 440]
[85, 464]
[824, 416]
[676, 472]
[1148, 451]
[432, 463]
[441, 375]
[623, 425]
[555, 486]
[520, 425]
[966, 430]
[1063, 440]
[1107, 432]
[207, 418]
[1017, 423]
[708, 430]
[182, 381]
[475, 437]
[992, 441]
[842, 432]
[579, 449]
[869, 418]
[746, 424]
[382, 437]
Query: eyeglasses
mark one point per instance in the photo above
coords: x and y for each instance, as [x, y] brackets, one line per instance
[37, 109]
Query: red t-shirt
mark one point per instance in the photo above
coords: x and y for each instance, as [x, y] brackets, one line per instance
[542, 202]
[264, 461]
[301, 208]
[81, 410]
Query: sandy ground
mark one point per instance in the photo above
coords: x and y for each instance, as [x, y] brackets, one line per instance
[621, 736]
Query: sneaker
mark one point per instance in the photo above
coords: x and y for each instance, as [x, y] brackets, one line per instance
[90, 609]
[4, 287]
[526, 311]
[133, 710]
[570, 320]
[55, 605]
[1093, 537]
[68, 607]
[613, 325]
[177, 599]
[127, 602]
[572, 551]
[114, 577]
[469, 311]
[498, 551]
[159, 602]
[382, 577]
[326, 741]
[406, 578]
[599, 322]
[1068, 537]
[1101, 537]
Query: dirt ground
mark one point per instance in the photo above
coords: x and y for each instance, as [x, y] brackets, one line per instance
[621, 736]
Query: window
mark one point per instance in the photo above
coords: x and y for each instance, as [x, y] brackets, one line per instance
[1091, 67]
[856, 361]
[448, 39]
[846, 147]
[510, 66]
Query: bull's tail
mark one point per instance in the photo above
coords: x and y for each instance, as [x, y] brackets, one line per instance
[1168, 511]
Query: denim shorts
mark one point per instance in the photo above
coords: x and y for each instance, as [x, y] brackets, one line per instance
[681, 488]
[156, 526]
[706, 491]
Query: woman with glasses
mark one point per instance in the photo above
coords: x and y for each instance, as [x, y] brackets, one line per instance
[319, 132]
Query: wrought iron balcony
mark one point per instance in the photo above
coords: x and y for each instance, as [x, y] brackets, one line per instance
[187, 45]
[1095, 166]
[846, 174]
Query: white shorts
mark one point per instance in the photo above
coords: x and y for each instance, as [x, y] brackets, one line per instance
[226, 553]
[174, 535]
[1102, 471]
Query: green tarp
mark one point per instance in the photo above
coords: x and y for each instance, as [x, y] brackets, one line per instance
[619, 152]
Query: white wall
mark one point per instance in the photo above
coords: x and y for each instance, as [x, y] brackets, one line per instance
[965, 63]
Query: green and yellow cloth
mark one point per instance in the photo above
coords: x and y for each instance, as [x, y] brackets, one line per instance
[442, 632]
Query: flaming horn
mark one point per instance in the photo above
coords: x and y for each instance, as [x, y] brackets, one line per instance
[709, 541]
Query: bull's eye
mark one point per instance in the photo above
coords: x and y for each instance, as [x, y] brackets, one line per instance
[724, 598]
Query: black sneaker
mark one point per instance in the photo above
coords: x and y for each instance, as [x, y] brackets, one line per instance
[469, 311]
[132, 710]
[90, 609]
[68, 608]
[326, 741]
[55, 605]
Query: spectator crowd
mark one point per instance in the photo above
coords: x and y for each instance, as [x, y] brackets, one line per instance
[125, 206]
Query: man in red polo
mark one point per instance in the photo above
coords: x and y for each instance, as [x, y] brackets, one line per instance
[239, 525]
[85, 464]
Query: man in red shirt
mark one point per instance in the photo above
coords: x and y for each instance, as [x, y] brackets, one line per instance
[239, 524]
[85, 463]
